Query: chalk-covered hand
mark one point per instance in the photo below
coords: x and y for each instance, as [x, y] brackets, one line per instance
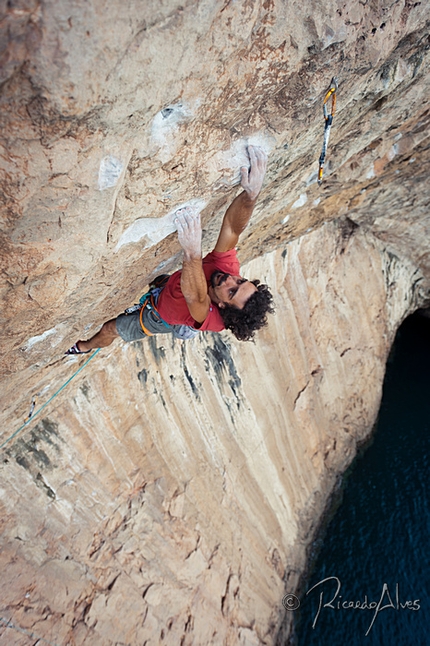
[252, 177]
[189, 231]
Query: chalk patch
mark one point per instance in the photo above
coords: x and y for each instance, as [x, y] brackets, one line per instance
[156, 229]
[370, 173]
[403, 69]
[109, 172]
[37, 339]
[393, 152]
[165, 125]
[317, 201]
[312, 179]
[285, 220]
[300, 202]
[229, 162]
[330, 36]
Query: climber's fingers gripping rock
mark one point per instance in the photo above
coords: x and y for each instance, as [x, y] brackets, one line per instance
[189, 231]
[252, 177]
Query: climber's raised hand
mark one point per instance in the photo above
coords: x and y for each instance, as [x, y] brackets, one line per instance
[252, 177]
[189, 228]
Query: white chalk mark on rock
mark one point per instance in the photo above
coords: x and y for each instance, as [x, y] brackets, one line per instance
[393, 152]
[300, 202]
[109, 172]
[165, 125]
[312, 179]
[317, 201]
[229, 162]
[37, 339]
[285, 220]
[155, 229]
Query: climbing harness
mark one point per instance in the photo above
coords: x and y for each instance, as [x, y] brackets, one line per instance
[149, 301]
[33, 414]
[328, 122]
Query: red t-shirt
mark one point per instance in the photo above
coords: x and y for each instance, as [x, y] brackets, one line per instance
[172, 305]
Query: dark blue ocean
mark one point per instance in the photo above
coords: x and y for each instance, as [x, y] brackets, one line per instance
[375, 551]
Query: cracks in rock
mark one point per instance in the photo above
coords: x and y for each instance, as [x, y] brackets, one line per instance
[417, 295]
[219, 357]
[224, 597]
[97, 544]
[189, 624]
[34, 453]
[347, 229]
[188, 628]
[194, 548]
[328, 450]
[144, 593]
[118, 189]
[142, 31]
[112, 583]
[42, 484]
[299, 394]
[213, 555]
[187, 374]
[86, 609]
[231, 592]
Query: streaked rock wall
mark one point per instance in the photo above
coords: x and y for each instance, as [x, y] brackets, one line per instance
[168, 495]
[173, 490]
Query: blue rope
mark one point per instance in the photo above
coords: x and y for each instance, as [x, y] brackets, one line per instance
[49, 400]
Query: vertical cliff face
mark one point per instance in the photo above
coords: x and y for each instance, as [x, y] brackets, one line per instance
[171, 495]
[168, 495]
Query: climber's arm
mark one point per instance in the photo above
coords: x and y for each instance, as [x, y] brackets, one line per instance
[193, 280]
[240, 210]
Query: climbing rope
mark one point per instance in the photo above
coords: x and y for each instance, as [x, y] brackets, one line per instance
[331, 93]
[33, 414]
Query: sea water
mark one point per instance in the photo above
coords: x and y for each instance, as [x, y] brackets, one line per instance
[370, 582]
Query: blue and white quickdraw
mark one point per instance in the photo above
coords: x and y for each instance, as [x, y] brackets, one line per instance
[328, 122]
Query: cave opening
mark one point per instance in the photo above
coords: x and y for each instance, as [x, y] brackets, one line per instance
[367, 580]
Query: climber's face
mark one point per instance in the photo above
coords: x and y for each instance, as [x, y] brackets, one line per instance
[226, 289]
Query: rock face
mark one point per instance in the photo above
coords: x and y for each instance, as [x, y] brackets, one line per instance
[169, 494]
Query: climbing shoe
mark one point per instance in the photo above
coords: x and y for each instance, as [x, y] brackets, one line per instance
[75, 350]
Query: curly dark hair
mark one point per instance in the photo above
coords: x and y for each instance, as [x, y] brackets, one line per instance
[253, 316]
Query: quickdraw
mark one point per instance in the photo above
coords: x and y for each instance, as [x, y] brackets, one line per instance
[328, 122]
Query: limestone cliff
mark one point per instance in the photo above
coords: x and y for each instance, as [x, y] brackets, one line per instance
[169, 494]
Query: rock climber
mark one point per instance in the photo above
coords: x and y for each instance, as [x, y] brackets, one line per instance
[207, 294]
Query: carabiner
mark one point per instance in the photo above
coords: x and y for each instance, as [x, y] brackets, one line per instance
[331, 93]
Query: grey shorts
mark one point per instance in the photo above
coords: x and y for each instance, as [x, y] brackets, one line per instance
[129, 328]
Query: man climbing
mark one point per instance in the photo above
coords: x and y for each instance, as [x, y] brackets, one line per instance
[207, 294]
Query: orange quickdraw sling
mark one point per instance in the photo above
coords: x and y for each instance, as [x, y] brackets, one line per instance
[149, 299]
